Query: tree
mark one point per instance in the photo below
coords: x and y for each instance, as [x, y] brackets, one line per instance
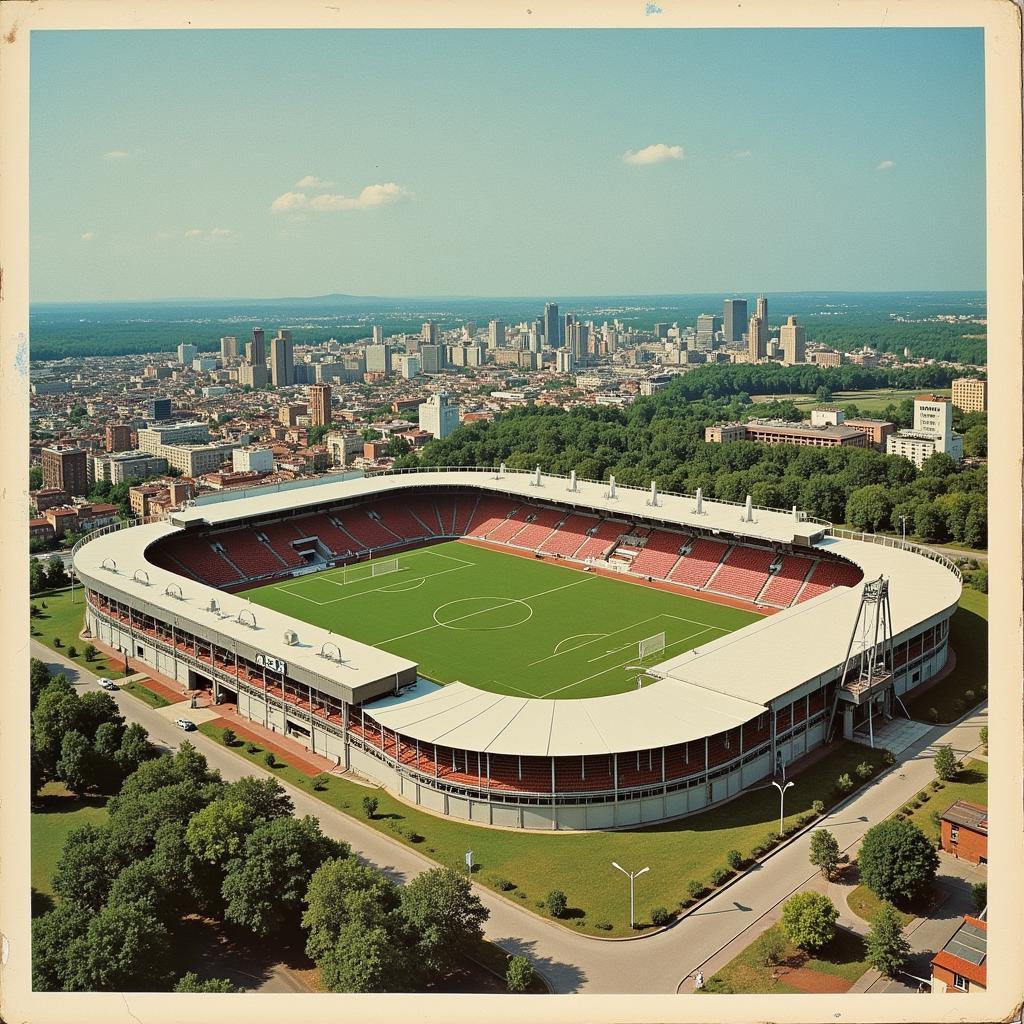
[945, 763]
[191, 982]
[56, 574]
[869, 508]
[86, 867]
[72, 651]
[56, 713]
[94, 708]
[897, 861]
[228, 737]
[134, 749]
[365, 960]
[36, 576]
[370, 806]
[39, 679]
[771, 947]
[127, 950]
[518, 974]
[979, 896]
[265, 798]
[145, 882]
[76, 764]
[887, 946]
[58, 939]
[445, 915]
[556, 903]
[90, 653]
[266, 884]
[824, 851]
[809, 919]
[928, 521]
[217, 833]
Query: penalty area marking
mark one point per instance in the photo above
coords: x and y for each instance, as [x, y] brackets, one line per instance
[403, 587]
[577, 636]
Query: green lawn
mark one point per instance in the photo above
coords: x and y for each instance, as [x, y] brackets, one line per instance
[747, 972]
[63, 618]
[969, 640]
[502, 622]
[55, 812]
[865, 904]
[580, 863]
[154, 700]
[867, 402]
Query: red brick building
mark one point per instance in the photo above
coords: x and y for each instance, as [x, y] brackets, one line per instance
[960, 966]
[964, 831]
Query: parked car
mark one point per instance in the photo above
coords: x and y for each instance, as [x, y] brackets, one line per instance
[107, 684]
[184, 723]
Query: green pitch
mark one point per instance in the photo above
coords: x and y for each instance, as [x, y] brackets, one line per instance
[505, 623]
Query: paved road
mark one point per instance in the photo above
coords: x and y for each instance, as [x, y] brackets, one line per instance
[571, 962]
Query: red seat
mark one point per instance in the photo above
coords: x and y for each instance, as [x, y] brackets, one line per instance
[659, 555]
[744, 572]
[786, 583]
[696, 568]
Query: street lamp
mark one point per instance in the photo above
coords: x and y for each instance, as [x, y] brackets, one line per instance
[631, 875]
[903, 523]
[782, 800]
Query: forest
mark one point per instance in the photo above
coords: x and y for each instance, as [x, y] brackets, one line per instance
[662, 438]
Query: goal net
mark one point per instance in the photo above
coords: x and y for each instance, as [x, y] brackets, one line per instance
[651, 645]
[365, 571]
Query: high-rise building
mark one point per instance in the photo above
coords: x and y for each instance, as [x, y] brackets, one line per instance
[118, 437]
[438, 416]
[793, 339]
[256, 350]
[282, 373]
[228, 349]
[707, 325]
[757, 339]
[429, 334]
[432, 358]
[496, 334]
[932, 432]
[409, 366]
[970, 394]
[661, 331]
[378, 359]
[553, 337]
[253, 375]
[64, 468]
[378, 335]
[762, 309]
[159, 409]
[186, 353]
[734, 319]
[320, 405]
[288, 415]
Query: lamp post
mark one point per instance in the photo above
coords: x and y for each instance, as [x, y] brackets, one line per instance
[632, 876]
[903, 523]
[782, 800]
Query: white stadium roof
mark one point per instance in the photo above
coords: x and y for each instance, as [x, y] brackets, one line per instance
[717, 686]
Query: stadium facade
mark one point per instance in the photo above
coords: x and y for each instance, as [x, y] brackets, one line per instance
[716, 720]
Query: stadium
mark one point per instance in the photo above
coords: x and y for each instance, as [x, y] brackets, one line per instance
[528, 650]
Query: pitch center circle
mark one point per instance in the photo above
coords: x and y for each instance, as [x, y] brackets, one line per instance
[483, 613]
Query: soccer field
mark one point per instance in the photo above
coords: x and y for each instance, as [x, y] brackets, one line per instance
[501, 622]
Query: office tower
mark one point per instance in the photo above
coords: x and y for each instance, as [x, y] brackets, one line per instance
[762, 309]
[409, 366]
[661, 331]
[552, 327]
[970, 394]
[538, 326]
[577, 340]
[565, 361]
[734, 319]
[793, 339]
[378, 359]
[282, 373]
[438, 416]
[432, 358]
[757, 339]
[320, 405]
[186, 353]
[256, 350]
[429, 334]
[288, 415]
[378, 335]
[118, 437]
[64, 468]
[707, 325]
[534, 342]
[228, 349]
[563, 328]
[496, 334]
[159, 409]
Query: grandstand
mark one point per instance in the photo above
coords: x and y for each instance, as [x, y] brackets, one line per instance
[498, 743]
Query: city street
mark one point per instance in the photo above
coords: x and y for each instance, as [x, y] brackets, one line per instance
[570, 962]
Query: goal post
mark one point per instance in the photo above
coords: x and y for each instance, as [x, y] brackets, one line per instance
[360, 571]
[651, 645]
[383, 568]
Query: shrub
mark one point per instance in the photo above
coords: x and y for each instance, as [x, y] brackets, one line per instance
[888, 758]
[818, 806]
[719, 876]
[72, 651]
[734, 859]
[718, 985]
[252, 748]
[979, 896]
[983, 737]
[945, 764]
[865, 770]
[502, 884]
[228, 737]
[269, 759]
[320, 781]
[933, 715]
[757, 851]
[970, 698]
[923, 796]
[935, 785]
[518, 974]
[934, 818]
[57, 642]
[370, 806]
[907, 810]
[695, 890]
[660, 917]
[772, 838]
[556, 903]
[844, 784]
[897, 861]
[605, 926]
[809, 919]
[771, 947]
[90, 652]
[415, 837]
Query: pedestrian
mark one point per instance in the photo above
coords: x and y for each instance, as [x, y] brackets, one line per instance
[698, 981]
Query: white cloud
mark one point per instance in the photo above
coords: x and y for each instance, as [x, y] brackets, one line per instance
[373, 195]
[313, 182]
[194, 233]
[88, 236]
[654, 154]
[212, 235]
[115, 154]
[221, 233]
[742, 154]
[288, 201]
[885, 165]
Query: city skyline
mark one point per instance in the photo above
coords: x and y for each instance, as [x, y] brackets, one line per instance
[379, 166]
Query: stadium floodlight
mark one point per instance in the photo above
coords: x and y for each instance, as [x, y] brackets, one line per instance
[782, 800]
[632, 876]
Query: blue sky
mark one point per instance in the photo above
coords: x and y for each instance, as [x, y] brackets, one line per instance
[278, 163]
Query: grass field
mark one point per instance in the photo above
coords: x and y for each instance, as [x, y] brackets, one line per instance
[501, 622]
[579, 864]
[62, 619]
[867, 402]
